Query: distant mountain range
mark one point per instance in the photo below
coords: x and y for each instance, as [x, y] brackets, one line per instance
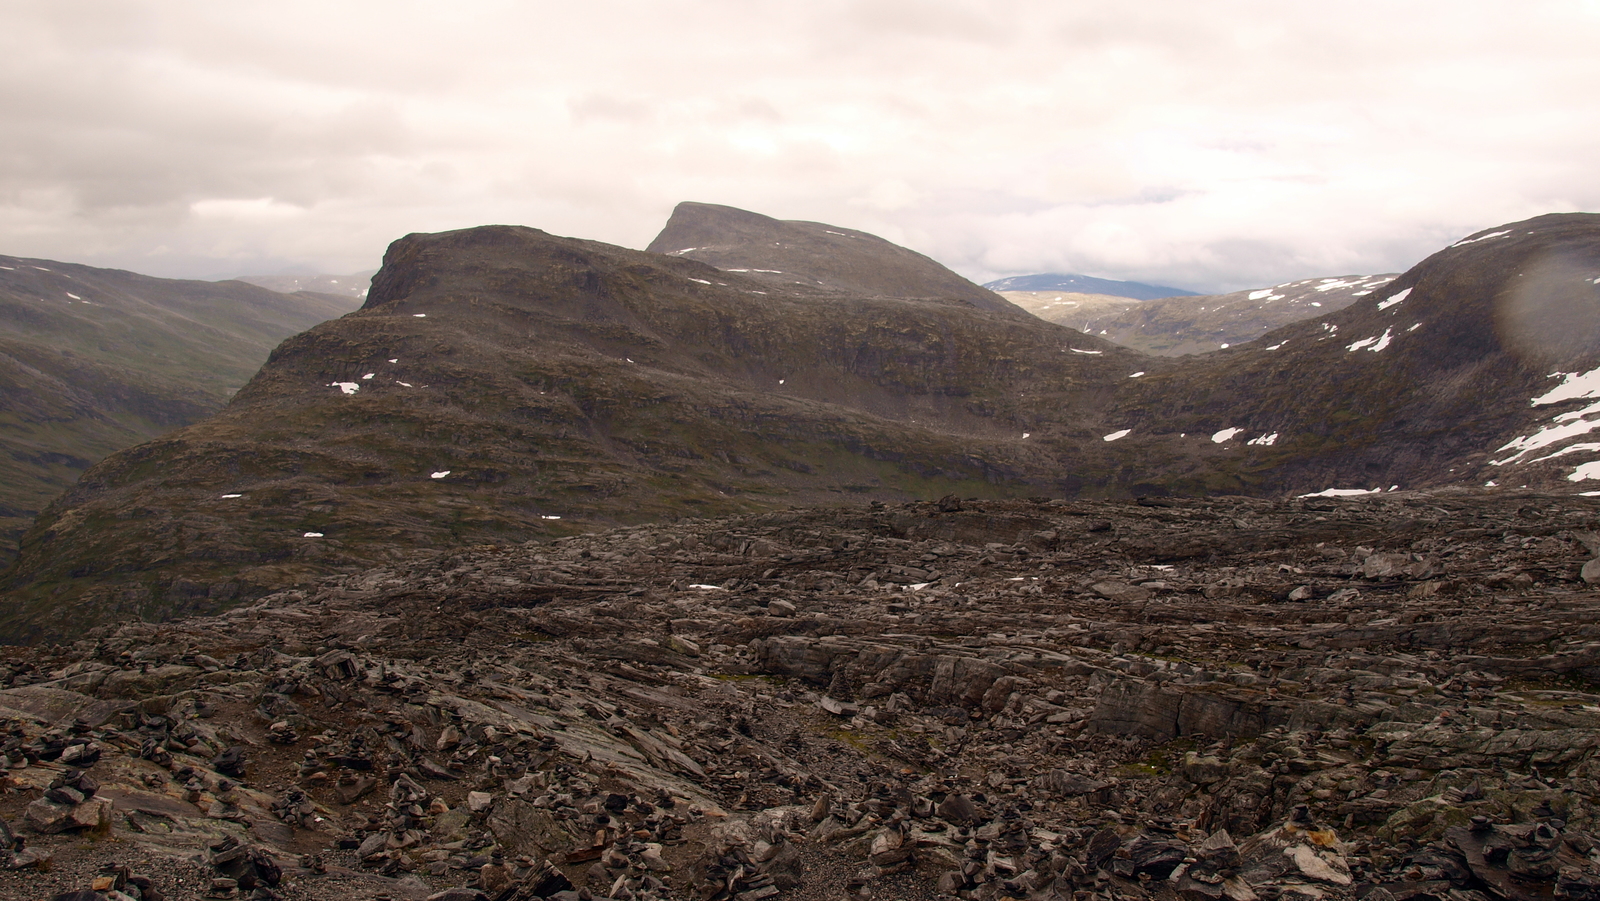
[1084, 284]
[96, 360]
[1198, 323]
[501, 384]
[354, 285]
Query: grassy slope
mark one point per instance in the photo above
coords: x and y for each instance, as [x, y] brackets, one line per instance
[95, 360]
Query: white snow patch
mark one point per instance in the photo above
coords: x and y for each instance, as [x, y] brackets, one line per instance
[708, 587]
[1489, 484]
[395, 360]
[1373, 344]
[233, 495]
[840, 234]
[1225, 435]
[440, 474]
[368, 376]
[1123, 433]
[313, 535]
[1264, 440]
[1136, 375]
[1578, 448]
[1090, 352]
[1547, 436]
[42, 269]
[1315, 304]
[1573, 387]
[700, 280]
[1274, 346]
[1026, 434]
[1590, 470]
[1414, 327]
[1394, 298]
[1498, 234]
[685, 250]
[346, 387]
[1259, 295]
[419, 315]
[781, 381]
[549, 517]
[9, 268]
[1224, 347]
[1342, 492]
[73, 296]
[398, 382]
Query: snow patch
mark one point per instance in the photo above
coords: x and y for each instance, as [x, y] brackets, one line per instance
[440, 474]
[1136, 375]
[1225, 435]
[1394, 298]
[1573, 387]
[346, 387]
[1342, 492]
[1466, 241]
[313, 535]
[549, 517]
[1090, 352]
[368, 376]
[1275, 346]
[708, 587]
[1589, 470]
[233, 495]
[1118, 434]
[1373, 344]
[700, 280]
[1259, 295]
[419, 315]
[1264, 440]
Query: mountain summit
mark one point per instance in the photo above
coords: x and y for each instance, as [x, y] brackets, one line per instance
[811, 255]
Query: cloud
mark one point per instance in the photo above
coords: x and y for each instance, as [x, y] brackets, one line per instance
[1211, 146]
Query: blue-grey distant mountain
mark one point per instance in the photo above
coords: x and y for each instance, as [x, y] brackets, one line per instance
[1085, 284]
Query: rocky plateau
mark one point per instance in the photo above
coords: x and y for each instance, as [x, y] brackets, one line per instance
[1379, 698]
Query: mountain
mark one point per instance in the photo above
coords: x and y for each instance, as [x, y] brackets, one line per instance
[1198, 323]
[501, 384]
[354, 285]
[95, 360]
[809, 256]
[1083, 284]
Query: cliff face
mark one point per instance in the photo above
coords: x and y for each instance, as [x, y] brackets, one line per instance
[502, 384]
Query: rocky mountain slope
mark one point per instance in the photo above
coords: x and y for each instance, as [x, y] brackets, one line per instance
[1082, 284]
[1198, 324]
[95, 360]
[1335, 699]
[501, 383]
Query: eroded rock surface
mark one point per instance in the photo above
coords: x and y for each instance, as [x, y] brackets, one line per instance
[1385, 698]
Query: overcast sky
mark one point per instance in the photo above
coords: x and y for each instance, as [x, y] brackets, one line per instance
[1210, 146]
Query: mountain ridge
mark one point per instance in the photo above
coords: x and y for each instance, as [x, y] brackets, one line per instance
[502, 384]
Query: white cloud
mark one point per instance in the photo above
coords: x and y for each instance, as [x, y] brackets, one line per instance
[1221, 145]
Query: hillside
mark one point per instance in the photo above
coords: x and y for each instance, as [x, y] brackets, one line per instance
[502, 384]
[95, 360]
